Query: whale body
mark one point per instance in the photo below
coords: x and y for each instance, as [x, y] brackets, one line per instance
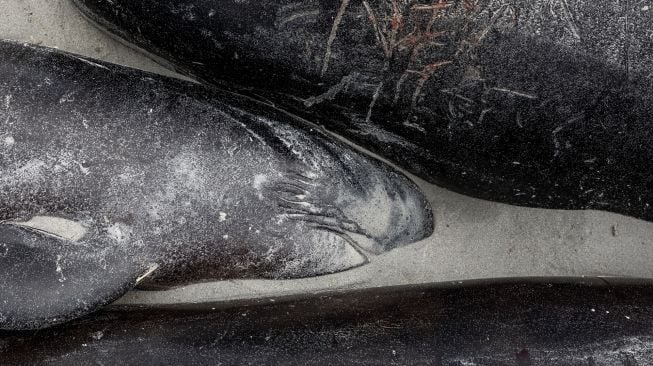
[169, 183]
[565, 323]
[534, 103]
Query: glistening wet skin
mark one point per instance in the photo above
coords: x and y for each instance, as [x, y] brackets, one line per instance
[175, 181]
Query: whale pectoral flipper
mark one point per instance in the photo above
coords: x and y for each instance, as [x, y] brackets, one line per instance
[46, 280]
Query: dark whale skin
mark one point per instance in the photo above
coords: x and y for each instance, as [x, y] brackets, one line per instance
[508, 324]
[535, 103]
[168, 177]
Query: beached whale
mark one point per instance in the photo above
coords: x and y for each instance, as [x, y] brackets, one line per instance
[510, 324]
[164, 179]
[536, 103]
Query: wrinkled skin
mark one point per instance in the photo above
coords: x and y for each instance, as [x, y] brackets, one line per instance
[530, 102]
[172, 181]
[509, 324]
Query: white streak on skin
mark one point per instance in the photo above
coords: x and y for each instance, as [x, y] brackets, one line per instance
[153, 267]
[513, 92]
[554, 133]
[401, 81]
[7, 107]
[252, 133]
[92, 63]
[375, 98]
[415, 126]
[332, 36]
[377, 29]
[259, 180]
[570, 19]
[333, 91]
[293, 17]
[59, 270]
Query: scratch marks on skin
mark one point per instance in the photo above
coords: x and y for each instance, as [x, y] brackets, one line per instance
[186, 11]
[250, 132]
[8, 99]
[418, 40]
[375, 97]
[573, 28]
[387, 27]
[516, 93]
[425, 75]
[493, 21]
[557, 130]
[377, 29]
[299, 15]
[92, 63]
[344, 4]
[333, 91]
[627, 40]
[414, 42]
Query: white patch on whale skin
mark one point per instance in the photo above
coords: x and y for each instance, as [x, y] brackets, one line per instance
[9, 141]
[30, 171]
[120, 232]
[259, 181]
[59, 270]
[223, 217]
[56, 226]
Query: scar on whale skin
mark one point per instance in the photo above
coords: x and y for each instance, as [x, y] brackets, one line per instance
[161, 182]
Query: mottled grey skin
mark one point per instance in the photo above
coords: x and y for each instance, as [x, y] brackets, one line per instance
[539, 103]
[164, 173]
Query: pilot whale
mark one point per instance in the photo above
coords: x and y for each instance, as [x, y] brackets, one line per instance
[533, 103]
[168, 181]
[515, 323]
